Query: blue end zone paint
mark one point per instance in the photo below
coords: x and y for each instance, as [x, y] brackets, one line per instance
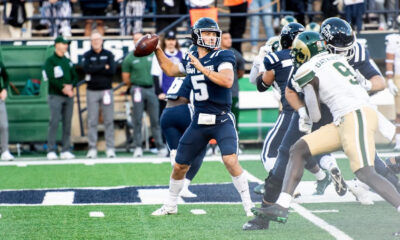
[225, 192]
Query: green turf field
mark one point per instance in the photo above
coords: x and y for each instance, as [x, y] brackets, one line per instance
[127, 220]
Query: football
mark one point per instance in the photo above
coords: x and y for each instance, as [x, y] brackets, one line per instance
[146, 45]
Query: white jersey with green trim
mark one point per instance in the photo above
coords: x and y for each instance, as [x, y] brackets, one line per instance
[338, 87]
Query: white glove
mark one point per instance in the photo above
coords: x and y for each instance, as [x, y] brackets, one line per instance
[392, 87]
[366, 84]
[264, 50]
[305, 122]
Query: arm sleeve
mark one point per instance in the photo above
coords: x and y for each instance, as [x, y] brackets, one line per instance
[366, 68]
[311, 101]
[49, 74]
[126, 67]
[239, 61]
[112, 64]
[157, 88]
[74, 75]
[4, 77]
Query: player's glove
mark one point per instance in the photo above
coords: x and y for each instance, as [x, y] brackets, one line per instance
[305, 122]
[264, 50]
[366, 84]
[395, 167]
[392, 87]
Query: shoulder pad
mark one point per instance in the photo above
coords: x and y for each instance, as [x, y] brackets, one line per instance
[304, 74]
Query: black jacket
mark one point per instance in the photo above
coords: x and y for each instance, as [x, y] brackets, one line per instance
[94, 65]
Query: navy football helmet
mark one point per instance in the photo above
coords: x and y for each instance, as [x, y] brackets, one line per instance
[288, 33]
[339, 37]
[206, 25]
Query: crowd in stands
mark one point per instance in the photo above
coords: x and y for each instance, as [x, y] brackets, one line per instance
[57, 16]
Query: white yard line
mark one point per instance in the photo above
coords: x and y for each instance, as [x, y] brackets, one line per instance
[332, 230]
[23, 162]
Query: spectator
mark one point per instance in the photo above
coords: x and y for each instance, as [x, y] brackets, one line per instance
[136, 74]
[166, 7]
[257, 6]
[162, 82]
[61, 74]
[18, 11]
[226, 43]
[131, 8]
[237, 25]
[5, 154]
[94, 8]
[354, 11]
[299, 8]
[56, 9]
[99, 64]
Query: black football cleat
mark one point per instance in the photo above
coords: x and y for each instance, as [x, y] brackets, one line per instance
[257, 223]
[338, 181]
[274, 213]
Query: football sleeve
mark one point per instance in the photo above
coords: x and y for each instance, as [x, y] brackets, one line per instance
[366, 68]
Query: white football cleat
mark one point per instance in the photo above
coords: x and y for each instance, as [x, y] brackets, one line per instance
[360, 192]
[187, 193]
[52, 156]
[138, 152]
[247, 208]
[92, 153]
[163, 152]
[165, 210]
[110, 153]
[67, 155]
[7, 156]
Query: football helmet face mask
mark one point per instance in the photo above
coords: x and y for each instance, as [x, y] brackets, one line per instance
[339, 37]
[206, 25]
[288, 34]
[306, 45]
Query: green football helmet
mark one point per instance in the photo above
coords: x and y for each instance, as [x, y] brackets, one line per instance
[313, 26]
[306, 45]
[286, 20]
[273, 43]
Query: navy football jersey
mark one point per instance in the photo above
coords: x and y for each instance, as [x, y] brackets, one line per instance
[363, 63]
[179, 89]
[208, 96]
[281, 63]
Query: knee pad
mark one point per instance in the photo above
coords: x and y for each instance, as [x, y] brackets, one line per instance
[272, 188]
[172, 155]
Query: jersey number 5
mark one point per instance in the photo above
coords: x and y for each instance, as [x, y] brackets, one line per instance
[200, 88]
[345, 71]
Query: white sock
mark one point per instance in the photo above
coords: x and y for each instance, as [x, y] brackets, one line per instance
[284, 199]
[328, 162]
[175, 187]
[320, 175]
[242, 186]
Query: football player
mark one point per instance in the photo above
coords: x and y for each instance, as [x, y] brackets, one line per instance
[174, 120]
[210, 72]
[279, 69]
[393, 76]
[328, 78]
[340, 39]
